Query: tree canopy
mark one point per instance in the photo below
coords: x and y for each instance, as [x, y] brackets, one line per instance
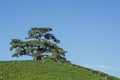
[39, 44]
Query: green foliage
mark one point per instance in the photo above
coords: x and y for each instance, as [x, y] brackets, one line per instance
[49, 70]
[39, 44]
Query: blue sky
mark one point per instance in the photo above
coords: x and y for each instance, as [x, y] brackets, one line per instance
[88, 29]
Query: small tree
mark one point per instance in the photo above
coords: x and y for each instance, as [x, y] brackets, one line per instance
[39, 44]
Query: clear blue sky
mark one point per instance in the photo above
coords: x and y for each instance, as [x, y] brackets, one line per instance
[89, 30]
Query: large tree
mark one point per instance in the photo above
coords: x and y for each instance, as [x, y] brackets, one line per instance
[40, 44]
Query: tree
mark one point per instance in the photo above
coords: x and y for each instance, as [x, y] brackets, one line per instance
[40, 44]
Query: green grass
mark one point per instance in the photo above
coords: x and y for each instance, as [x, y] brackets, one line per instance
[37, 70]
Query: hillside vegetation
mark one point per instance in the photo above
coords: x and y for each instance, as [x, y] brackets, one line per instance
[38, 70]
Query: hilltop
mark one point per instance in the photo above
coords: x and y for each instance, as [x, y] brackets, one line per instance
[38, 70]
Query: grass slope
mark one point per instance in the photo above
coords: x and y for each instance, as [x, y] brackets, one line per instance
[37, 70]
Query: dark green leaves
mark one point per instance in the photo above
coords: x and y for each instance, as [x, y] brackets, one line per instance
[40, 44]
[38, 33]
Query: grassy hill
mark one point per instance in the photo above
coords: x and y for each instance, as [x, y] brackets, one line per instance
[37, 70]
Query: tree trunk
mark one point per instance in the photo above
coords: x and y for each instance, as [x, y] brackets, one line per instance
[37, 57]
